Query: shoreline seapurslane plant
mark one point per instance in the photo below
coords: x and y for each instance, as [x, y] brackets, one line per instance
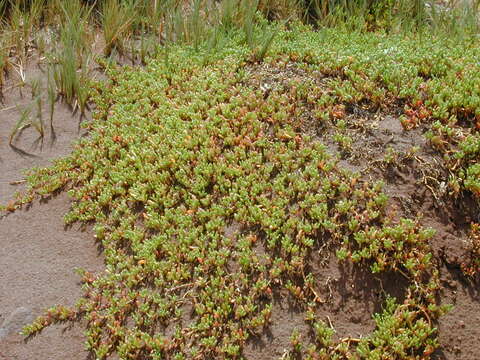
[471, 265]
[209, 198]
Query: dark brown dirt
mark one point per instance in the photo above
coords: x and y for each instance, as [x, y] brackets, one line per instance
[38, 255]
[274, 342]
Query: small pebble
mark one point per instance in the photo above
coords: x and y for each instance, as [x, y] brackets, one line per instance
[13, 323]
[355, 319]
[452, 284]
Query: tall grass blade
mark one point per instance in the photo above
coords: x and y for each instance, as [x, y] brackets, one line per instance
[52, 98]
[117, 18]
[22, 123]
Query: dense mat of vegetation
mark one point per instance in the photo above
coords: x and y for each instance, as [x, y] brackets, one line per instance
[208, 193]
[209, 198]
[66, 37]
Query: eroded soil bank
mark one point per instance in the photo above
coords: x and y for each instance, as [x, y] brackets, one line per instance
[415, 180]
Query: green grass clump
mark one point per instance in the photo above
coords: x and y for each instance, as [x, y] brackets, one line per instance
[116, 20]
[209, 198]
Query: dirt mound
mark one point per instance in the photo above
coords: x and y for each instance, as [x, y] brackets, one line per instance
[380, 148]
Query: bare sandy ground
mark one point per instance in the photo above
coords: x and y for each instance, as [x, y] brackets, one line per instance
[38, 255]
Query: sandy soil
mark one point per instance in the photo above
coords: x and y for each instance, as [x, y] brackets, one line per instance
[38, 255]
